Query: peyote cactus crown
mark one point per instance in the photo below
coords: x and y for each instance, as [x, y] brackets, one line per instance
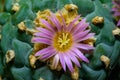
[59, 40]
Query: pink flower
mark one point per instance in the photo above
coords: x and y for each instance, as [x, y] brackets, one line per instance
[116, 10]
[65, 42]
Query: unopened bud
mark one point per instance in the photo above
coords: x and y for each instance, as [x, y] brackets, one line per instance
[40, 78]
[90, 41]
[116, 32]
[9, 56]
[21, 26]
[105, 60]
[57, 68]
[39, 46]
[75, 74]
[31, 31]
[32, 59]
[16, 7]
[97, 20]
[71, 7]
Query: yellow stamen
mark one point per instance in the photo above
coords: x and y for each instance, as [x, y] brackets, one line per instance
[62, 41]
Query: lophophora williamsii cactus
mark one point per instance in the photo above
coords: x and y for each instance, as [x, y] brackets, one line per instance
[59, 40]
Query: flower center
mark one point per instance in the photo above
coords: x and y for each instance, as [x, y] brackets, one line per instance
[62, 41]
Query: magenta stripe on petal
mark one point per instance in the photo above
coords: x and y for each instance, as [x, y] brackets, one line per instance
[46, 52]
[55, 21]
[43, 51]
[118, 24]
[80, 34]
[41, 40]
[55, 61]
[49, 55]
[71, 55]
[86, 37]
[117, 14]
[116, 4]
[114, 9]
[45, 31]
[48, 25]
[80, 54]
[70, 26]
[84, 46]
[81, 26]
[62, 61]
[68, 62]
[63, 20]
[39, 34]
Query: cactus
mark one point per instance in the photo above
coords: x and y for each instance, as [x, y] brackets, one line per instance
[19, 20]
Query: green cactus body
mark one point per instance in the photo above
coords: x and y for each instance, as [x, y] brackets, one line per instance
[18, 40]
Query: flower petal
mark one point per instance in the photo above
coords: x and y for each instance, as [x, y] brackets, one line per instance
[71, 25]
[48, 55]
[68, 62]
[55, 21]
[62, 61]
[117, 14]
[116, 3]
[85, 37]
[81, 26]
[55, 61]
[71, 55]
[39, 34]
[44, 51]
[45, 31]
[48, 25]
[118, 24]
[80, 54]
[80, 35]
[83, 46]
[41, 40]
[114, 9]
[63, 20]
